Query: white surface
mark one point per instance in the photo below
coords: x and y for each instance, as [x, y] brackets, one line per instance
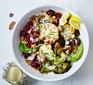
[84, 8]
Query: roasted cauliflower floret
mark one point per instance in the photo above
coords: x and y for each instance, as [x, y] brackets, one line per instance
[68, 32]
[49, 33]
[46, 48]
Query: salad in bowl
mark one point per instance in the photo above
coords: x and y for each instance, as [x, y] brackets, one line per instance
[50, 41]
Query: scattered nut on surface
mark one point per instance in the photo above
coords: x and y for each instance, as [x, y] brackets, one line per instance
[11, 25]
[11, 15]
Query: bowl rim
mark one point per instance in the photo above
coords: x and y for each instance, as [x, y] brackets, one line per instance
[24, 70]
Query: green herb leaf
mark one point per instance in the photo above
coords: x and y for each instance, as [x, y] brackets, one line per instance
[23, 48]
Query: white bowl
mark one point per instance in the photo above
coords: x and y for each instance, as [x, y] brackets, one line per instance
[30, 71]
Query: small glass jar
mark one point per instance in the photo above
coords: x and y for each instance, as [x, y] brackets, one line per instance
[13, 74]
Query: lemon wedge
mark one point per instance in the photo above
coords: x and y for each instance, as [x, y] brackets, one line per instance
[75, 22]
[63, 19]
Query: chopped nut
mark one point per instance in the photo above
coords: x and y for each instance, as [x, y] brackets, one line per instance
[69, 48]
[35, 53]
[53, 18]
[11, 15]
[57, 45]
[33, 45]
[67, 51]
[59, 51]
[11, 25]
[28, 62]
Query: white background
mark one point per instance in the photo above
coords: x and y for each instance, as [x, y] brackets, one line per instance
[84, 8]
